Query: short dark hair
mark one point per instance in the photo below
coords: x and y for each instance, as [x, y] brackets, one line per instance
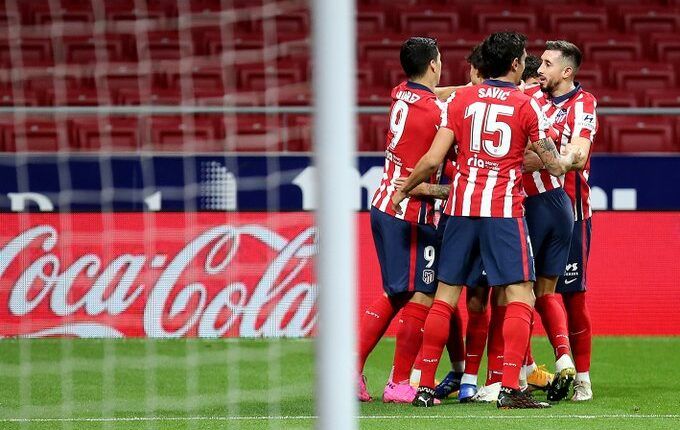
[499, 50]
[475, 57]
[416, 54]
[568, 50]
[532, 63]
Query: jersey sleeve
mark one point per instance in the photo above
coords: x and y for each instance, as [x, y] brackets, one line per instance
[447, 112]
[585, 118]
[534, 121]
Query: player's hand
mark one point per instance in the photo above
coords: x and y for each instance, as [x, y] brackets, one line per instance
[397, 198]
[532, 162]
[572, 149]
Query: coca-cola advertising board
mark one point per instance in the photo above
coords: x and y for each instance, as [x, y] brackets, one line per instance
[252, 275]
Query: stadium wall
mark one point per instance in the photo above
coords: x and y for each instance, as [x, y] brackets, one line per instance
[250, 274]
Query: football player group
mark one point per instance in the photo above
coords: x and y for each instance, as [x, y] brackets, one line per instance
[485, 190]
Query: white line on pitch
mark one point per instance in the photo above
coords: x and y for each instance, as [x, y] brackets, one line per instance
[364, 417]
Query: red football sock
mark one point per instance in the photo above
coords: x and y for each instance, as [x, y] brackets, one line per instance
[409, 339]
[374, 322]
[436, 334]
[555, 323]
[455, 345]
[516, 329]
[580, 329]
[494, 350]
[528, 357]
[475, 339]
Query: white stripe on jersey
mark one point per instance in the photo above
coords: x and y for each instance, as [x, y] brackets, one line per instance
[557, 183]
[540, 115]
[382, 184]
[586, 174]
[403, 205]
[487, 194]
[390, 188]
[469, 189]
[444, 114]
[455, 189]
[507, 203]
[577, 116]
[536, 176]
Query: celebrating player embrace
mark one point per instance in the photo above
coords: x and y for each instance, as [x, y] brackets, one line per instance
[492, 123]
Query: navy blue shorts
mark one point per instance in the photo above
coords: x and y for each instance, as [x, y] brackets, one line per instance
[550, 220]
[477, 274]
[407, 252]
[502, 244]
[574, 277]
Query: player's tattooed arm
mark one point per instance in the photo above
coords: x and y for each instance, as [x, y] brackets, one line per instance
[556, 164]
[425, 189]
[426, 166]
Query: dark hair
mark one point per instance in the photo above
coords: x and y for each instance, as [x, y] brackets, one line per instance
[568, 50]
[498, 52]
[532, 63]
[416, 54]
[475, 57]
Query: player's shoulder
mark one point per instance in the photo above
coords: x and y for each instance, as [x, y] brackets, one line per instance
[586, 97]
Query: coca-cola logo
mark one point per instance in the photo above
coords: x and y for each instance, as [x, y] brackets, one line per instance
[238, 279]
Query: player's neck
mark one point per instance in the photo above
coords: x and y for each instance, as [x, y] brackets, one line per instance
[563, 88]
[425, 82]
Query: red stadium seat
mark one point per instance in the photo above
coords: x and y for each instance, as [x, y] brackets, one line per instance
[35, 135]
[575, 19]
[289, 22]
[666, 47]
[373, 96]
[641, 134]
[666, 97]
[428, 21]
[643, 19]
[614, 98]
[84, 50]
[298, 133]
[257, 77]
[9, 98]
[182, 134]
[496, 18]
[371, 21]
[590, 76]
[29, 49]
[164, 46]
[372, 132]
[253, 133]
[73, 96]
[380, 48]
[605, 48]
[641, 76]
[111, 133]
[458, 47]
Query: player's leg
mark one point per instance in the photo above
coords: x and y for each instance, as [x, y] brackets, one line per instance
[391, 237]
[455, 347]
[572, 286]
[507, 257]
[494, 351]
[550, 222]
[477, 300]
[459, 249]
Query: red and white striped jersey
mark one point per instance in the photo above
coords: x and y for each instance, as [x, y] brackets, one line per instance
[540, 181]
[415, 117]
[492, 123]
[572, 114]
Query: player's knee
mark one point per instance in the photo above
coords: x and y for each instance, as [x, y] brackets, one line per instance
[545, 285]
[475, 304]
[425, 299]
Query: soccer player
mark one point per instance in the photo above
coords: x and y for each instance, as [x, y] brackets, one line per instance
[572, 113]
[492, 123]
[404, 239]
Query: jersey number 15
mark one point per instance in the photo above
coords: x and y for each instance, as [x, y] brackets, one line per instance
[486, 118]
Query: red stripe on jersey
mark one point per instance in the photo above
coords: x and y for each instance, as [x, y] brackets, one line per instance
[523, 240]
[413, 255]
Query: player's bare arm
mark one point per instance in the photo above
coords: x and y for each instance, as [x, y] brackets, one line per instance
[556, 164]
[532, 162]
[426, 189]
[444, 93]
[426, 166]
[583, 145]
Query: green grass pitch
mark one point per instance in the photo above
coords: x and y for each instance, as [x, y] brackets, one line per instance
[242, 384]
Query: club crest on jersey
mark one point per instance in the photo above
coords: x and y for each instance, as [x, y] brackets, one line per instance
[428, 276]
[561, 116]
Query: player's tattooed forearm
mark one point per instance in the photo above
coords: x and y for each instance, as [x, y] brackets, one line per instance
[440, 191]
[547, 145]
